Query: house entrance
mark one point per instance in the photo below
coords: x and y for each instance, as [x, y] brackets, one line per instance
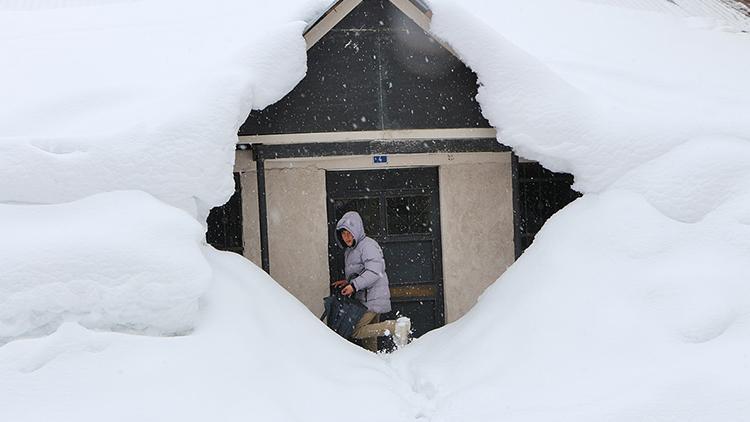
[400, 209]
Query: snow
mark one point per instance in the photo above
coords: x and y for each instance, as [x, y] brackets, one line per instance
[117, 135]
[257, 354]
[729, 14]
[139, 95]
[113, 261]
[616, 313]
[126, 96]
[633, 301]
[575, 102]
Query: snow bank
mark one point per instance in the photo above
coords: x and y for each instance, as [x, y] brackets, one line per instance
[257, 355]
[598, 106]
[116, 261]
[139, 95]
[633, 302]
[616, 313]
[130, 109]
[126, 96]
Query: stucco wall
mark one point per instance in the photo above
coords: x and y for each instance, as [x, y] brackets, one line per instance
[477, 225]
[297, 225]
[297, 233]
[250, 229]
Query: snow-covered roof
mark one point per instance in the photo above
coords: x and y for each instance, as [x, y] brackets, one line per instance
[732, 12]
[416, 10]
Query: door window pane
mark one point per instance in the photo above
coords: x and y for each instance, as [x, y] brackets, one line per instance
[368, 209]
[409, 215]
[409, 262]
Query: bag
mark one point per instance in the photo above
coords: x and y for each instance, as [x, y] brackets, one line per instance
[343, 313]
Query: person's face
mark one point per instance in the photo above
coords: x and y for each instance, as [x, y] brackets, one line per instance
[348, 238]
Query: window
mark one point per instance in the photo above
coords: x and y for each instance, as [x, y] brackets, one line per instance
[541, 194]
[409, 215]
[368, 209]
[225, 223]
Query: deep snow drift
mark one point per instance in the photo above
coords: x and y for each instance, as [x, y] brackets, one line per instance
[134, 265]
[117, 133]
[257, 355]
[138, 96]
[632, 304]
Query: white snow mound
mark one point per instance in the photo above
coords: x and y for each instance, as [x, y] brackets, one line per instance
[256, 355]
[126, 96]
[116, 261]
[633, 302]
[139, 95]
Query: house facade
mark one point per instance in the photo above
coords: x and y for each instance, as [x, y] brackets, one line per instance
[384, 123]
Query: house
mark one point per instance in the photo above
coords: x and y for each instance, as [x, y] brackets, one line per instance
[385, 123]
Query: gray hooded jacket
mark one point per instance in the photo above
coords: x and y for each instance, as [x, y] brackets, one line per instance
[365, 260]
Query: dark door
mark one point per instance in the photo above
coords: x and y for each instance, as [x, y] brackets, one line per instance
[400, 209]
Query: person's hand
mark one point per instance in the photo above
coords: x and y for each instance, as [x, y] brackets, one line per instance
[348, 290]
[339, 284]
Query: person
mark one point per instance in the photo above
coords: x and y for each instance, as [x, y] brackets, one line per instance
[366, 279]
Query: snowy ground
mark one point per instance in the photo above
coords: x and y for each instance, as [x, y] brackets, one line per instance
[633, 303]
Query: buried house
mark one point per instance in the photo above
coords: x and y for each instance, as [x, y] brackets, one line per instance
[384, 123]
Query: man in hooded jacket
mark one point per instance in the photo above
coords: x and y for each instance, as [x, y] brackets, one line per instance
[364, 268]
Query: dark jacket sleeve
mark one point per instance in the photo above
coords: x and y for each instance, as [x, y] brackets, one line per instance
[374, 266]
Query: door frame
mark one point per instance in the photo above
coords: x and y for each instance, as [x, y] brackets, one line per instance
[437, 248]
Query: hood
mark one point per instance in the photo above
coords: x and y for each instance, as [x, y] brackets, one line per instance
[353, 222]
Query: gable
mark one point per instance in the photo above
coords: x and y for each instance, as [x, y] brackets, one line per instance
[375, 70]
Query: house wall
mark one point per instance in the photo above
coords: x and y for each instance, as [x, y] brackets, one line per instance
[373, 69]
[250, 218]
[476, 201]
[297, 224]
[476, 210]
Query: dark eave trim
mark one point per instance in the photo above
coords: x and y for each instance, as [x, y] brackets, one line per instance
[381, 147]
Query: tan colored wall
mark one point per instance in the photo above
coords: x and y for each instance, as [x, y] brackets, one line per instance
[475, 203]
[250, 228]
[476, 215]
[297, 227]
[298, 233]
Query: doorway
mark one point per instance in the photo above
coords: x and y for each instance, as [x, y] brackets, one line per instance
[400, 209]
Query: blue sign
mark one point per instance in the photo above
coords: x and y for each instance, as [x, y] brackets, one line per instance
[380, 159]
